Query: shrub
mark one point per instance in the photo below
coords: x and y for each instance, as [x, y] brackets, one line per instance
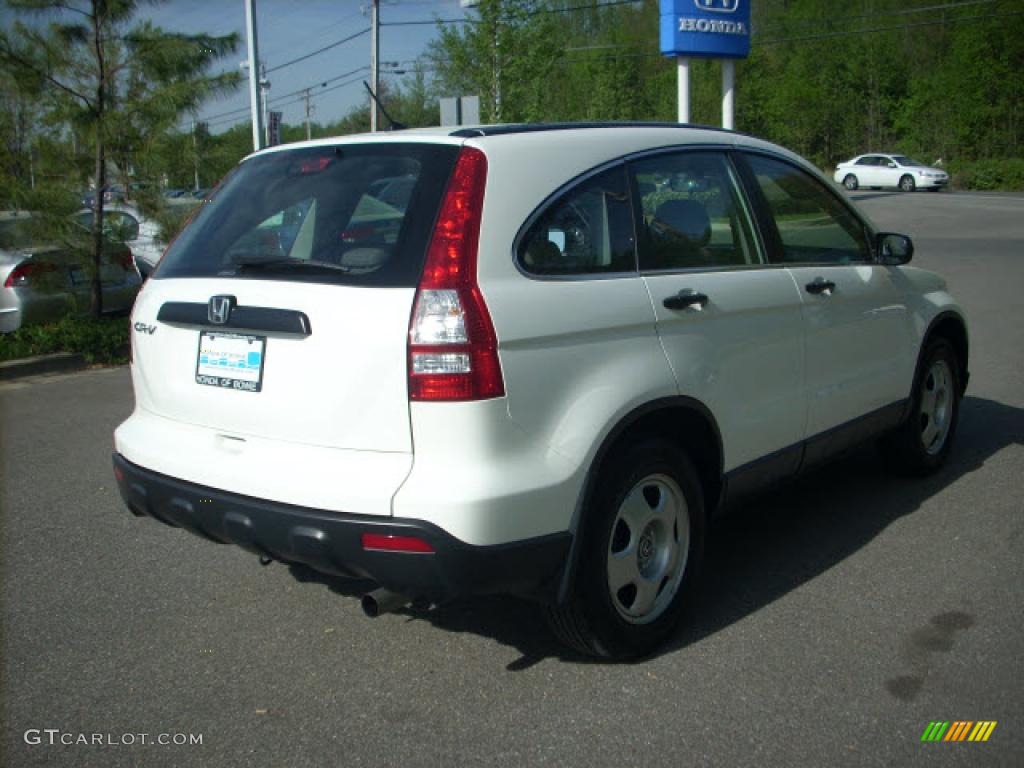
[99, 341]
[991, 174]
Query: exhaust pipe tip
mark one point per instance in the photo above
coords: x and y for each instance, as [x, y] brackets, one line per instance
[382, 601]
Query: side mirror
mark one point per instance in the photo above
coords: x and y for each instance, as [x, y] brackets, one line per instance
[893, 249]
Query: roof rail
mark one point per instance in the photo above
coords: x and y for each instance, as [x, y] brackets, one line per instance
[501, 130]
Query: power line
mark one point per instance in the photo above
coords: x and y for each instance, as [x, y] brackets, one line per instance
[217, 118]
[300, 100]
[534, 12]
[914, 25]
[317, 52]
[777, 41]
[876, 14]
[425, 22]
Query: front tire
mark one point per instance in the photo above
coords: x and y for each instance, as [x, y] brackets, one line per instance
[850, 182]
[641, 545]
[907, 183]
[922, 443]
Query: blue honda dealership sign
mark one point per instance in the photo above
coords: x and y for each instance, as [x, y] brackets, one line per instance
[712, 29]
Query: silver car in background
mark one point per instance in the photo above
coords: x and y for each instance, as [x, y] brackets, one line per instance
[40, 282]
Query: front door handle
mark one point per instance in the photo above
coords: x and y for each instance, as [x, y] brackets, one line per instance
[820, 285]
[684, 300]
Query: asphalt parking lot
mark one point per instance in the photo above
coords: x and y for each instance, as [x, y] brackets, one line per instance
[835, 619]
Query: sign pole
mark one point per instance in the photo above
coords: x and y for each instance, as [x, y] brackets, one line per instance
[709, 30]
[683, 63]
[728, 93]
[254, 76]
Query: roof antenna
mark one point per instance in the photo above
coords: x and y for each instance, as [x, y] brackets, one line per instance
[393, 125]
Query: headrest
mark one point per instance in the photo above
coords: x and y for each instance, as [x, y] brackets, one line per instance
[683, 218]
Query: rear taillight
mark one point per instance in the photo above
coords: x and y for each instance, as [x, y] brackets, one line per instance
[18, 277]
[453, 349]
[21, 275]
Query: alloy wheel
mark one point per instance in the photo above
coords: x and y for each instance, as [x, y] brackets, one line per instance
[648, 549]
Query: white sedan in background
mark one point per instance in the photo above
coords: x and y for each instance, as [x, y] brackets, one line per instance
[124, 223]
[895, 171]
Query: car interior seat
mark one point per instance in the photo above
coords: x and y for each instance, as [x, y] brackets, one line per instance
[679, 232]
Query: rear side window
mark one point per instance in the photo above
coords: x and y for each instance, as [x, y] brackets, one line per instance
[813, 225]
[356, 214]
[693, 215]
[588, 230]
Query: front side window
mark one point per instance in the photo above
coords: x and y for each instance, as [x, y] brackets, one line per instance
[814, 226]
[586, 231]
[693, 215]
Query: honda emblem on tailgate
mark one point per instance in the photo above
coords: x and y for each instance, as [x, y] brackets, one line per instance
[220, 308]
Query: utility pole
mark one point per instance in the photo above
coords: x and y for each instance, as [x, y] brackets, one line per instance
[264, 92]
[195, 153]
[309, 112]
[254, 76]
[374, 61]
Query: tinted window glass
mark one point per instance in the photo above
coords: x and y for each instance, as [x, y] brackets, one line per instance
[357, 214]
[907, 161]
[587, 230]
[693, 215]
[813, 225]
[868, 161]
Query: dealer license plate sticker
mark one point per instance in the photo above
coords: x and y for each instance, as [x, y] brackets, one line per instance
[231, 361]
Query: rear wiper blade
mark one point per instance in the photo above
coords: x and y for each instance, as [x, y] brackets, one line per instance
[257, 262]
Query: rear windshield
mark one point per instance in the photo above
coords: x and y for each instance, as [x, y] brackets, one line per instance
[355, 214]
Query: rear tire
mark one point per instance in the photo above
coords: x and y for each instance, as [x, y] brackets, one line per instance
[907, 183]
[850, 182]
[922, 443]
[641, 545]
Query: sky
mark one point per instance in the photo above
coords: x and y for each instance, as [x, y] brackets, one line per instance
[289, 29]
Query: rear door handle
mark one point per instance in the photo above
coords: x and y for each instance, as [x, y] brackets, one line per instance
[684, 300]
[820, 285]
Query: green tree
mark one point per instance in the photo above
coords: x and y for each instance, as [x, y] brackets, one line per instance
[118, 85]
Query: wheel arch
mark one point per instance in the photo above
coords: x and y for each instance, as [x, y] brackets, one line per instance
[684, 421]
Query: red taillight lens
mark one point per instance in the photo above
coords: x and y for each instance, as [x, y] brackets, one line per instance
[18, 277]
[21, 275]
[387, 543]
[453, 349]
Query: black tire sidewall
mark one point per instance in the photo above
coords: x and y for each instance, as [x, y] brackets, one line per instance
[910, 187]
[847, 182]
[613, 636]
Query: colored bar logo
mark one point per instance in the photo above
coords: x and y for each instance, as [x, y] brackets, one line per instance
[958, 730]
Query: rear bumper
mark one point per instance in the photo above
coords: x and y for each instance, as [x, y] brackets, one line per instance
[331, 542]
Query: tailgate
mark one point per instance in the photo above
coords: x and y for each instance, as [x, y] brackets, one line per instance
[338, 382]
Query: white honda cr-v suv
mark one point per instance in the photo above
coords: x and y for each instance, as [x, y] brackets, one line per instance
[524, 359]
